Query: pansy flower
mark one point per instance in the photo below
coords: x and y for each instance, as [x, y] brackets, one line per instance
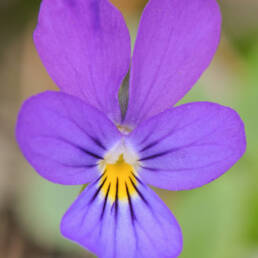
[79, 135]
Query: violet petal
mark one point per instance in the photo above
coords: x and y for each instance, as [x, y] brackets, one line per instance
[189, 146]
[63, 138]
[85, 47]
[139, 227]
[176, 42]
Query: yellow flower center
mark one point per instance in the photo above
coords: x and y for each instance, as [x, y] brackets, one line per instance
[118, 181]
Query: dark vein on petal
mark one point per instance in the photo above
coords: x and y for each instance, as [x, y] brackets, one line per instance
[152, 144]
[130, 204]
[116, 200]
[137, 178]
[115, 204]
[67, 165]
[79, 147]
[149, 134]
[105, 202]
[98, 190]
[100, 176]
[178, 148]
[74, 145]
[157, 155]
[98, 142]
[173, 130]
[138, 191]
[77, 166]
[151, 169]
[183, 169]
[89, 153]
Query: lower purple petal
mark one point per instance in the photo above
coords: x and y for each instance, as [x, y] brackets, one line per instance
[141, 226]
[189, 146]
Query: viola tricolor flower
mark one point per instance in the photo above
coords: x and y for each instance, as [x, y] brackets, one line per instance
[79, 135]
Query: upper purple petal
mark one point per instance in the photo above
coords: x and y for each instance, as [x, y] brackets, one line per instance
[63, 138]
[176, 42]
[140, 227]
[189, 146]
[85, 47]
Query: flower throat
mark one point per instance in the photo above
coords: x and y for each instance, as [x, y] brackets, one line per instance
[118, 181]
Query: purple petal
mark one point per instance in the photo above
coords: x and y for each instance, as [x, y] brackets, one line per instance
[63, 138]
[85, 47]
[189, 146]
[140, 226]
[176, 42]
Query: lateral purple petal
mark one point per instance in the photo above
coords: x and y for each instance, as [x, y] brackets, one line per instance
[63, 138]
[176, 42]
[189, 146]
[85, 47]
[141, 228]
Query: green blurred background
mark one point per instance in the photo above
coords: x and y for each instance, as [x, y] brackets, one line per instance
[219, 220]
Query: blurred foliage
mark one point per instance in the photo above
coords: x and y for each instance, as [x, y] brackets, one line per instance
[220, 219]
[14, 18]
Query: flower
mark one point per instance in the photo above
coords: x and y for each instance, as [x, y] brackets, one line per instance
[78, 136]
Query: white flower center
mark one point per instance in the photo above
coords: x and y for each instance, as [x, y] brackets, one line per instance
[122, 148]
